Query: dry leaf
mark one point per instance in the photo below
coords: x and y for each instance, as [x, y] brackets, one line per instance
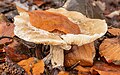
[17, 51]
[50, 21]
[6, 29]
[82, 69]
[105, 69]
[114, 31]
[38, 68]
[84, 54]
[63, 73]
[110, 50]
[27, 64]
[32, 65]
[38, 2]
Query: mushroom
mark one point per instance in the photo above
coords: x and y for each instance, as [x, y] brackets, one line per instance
[58, 28]
[43, 27]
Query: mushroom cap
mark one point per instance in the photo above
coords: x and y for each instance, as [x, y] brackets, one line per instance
[91, 29]
[24, 30]
[40, 27]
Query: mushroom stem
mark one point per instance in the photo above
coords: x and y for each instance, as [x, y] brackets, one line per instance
[57, 56]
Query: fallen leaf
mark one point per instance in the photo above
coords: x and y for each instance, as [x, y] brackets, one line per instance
[83, 70]
[63, 73]
[32, 65]
[27, 64]
[110, 50]
[53, 22]
[17, 51]
[105, 69]
[38, 68]
[6, 29]
[84, 54]
[38, 2]
[114, 31]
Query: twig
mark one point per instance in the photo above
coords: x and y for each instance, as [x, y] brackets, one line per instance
[73, 66]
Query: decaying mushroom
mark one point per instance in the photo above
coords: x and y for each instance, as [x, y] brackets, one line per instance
[58, 28]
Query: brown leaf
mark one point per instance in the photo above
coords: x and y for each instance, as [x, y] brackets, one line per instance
[38, 68]
[38, 2]
[63, 73]
[3, 18]
[84, 54]
[114, 31]
[83, 70]
[105, 69]
[26, 64]
[110, 50]
[6, 29]
[17, 51]
[32, 65]
[54, 21]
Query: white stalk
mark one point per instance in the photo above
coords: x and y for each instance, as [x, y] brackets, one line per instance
[57, 56]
